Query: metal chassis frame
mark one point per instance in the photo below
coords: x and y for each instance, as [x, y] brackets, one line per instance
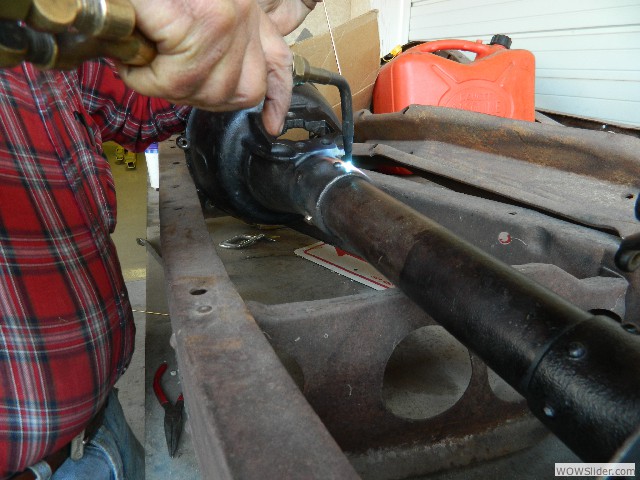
[252, 420]
[239, 390]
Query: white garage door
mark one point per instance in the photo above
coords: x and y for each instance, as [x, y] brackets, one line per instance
[587, 51]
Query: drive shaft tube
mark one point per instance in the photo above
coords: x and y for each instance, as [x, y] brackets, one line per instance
[580, 373]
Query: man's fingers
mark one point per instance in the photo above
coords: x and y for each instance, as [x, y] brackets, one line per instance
[213, 63]
[279, 77]
[311, 3]
[219, 55]
[277, 102]
[287, 15]
[251, 83]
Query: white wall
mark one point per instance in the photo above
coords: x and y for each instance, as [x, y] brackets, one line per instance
[393, 21]
[587, 51]
[338, 11]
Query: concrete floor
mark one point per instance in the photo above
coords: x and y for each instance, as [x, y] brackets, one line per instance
[138, 218]
[131, 191]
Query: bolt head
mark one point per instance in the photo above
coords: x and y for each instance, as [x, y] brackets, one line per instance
[576, 350]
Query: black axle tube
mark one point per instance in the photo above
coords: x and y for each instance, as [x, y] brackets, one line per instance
[580, 373]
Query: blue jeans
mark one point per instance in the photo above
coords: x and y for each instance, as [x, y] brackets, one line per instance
[113, 453]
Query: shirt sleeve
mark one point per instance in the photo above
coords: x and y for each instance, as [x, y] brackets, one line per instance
[123, 115]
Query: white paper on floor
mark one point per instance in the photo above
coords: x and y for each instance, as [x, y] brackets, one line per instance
[344, 263]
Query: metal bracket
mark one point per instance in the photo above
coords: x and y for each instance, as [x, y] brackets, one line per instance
[244, 241]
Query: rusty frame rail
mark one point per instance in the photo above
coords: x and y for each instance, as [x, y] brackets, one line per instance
[249, 419]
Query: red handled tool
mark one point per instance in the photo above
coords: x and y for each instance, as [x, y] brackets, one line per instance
[173, 419]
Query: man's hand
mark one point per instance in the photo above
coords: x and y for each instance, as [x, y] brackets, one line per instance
[216, 55]
[287, 15]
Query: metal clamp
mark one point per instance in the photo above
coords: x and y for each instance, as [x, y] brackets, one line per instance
[244, 241]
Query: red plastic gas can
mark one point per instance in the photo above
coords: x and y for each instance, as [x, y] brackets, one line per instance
[499, 81]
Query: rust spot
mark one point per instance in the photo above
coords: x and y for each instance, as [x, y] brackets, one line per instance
[504, 238]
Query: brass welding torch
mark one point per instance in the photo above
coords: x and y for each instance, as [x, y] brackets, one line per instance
[61, 34]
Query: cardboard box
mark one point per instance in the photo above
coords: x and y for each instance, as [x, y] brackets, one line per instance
[358, 46]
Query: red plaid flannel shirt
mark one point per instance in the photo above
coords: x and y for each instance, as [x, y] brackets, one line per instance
[66, 332]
